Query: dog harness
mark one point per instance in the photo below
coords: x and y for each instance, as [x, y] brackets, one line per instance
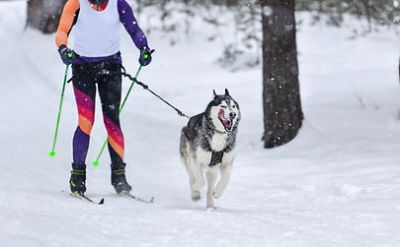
[216, 158]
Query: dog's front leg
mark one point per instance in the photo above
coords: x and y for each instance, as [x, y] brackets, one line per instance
[211, 175]
[226, 170]
[196, 180]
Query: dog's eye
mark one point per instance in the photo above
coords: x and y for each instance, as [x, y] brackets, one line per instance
[234, 106]
[223, 106]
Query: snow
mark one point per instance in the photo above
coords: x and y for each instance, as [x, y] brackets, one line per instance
[336, 184]
[267, 11]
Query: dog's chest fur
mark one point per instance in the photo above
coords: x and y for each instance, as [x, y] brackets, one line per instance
[215, 148]
[218, 142]
[212, 151]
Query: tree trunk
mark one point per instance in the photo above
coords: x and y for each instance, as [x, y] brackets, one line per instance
[283, 115]
[44, 15]
[34, 15]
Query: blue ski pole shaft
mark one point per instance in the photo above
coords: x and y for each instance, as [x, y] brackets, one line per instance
[103, 147]
[52, 153]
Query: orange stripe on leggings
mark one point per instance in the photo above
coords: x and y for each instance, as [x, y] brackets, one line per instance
[85, 124]
[117, 148]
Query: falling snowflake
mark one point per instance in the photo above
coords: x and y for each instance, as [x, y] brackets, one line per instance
[267, 11]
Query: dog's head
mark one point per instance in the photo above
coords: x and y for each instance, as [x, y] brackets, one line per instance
[224, 112]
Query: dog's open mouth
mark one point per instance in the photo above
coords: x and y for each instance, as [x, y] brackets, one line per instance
[227, 123]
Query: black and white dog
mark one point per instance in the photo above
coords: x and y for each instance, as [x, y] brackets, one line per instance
[207, 146]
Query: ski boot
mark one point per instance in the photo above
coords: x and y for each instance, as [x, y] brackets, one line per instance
[77, 181]
[118, 179]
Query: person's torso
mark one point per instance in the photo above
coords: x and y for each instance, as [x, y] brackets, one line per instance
[97, 33]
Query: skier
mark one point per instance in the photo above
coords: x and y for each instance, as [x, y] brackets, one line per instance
[96, 59]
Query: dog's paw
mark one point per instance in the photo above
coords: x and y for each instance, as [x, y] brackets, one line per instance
[217, 193]
[196, 196]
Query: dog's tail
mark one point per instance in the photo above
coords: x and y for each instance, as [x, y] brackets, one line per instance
[183, 148]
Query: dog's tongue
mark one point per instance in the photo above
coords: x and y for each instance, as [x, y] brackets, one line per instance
[228, 123]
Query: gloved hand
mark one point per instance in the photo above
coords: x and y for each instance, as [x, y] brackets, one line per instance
[145, 56]
[67, 55]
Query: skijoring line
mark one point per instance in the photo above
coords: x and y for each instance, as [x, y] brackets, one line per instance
[146, 87]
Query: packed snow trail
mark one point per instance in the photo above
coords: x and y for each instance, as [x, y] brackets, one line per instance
[337, 184]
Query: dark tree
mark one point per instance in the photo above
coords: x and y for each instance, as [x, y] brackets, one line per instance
[283, 115]
[44, 15]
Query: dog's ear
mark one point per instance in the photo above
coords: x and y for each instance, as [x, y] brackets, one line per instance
[227, 92]
[215, 94]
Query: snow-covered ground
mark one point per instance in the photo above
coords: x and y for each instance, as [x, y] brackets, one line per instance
[337, 184]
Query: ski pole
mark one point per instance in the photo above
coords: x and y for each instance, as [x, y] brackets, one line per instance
[52, 153]
[96, 162]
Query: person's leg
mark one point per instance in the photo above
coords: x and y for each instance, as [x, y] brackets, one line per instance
[110, 96]
[110, 87]
[85, 93]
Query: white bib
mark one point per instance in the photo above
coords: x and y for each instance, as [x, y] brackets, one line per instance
[97, 33]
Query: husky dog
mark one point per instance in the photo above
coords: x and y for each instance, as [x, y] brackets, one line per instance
[207, 146]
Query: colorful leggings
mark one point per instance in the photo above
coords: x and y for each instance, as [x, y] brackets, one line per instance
[85, 78]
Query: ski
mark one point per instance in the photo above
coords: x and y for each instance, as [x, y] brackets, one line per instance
[83, 197]
[136, 198]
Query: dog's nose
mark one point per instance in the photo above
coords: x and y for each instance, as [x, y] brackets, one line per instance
[232, 115]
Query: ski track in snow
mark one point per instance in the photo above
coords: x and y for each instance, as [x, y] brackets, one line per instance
[337, 184]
